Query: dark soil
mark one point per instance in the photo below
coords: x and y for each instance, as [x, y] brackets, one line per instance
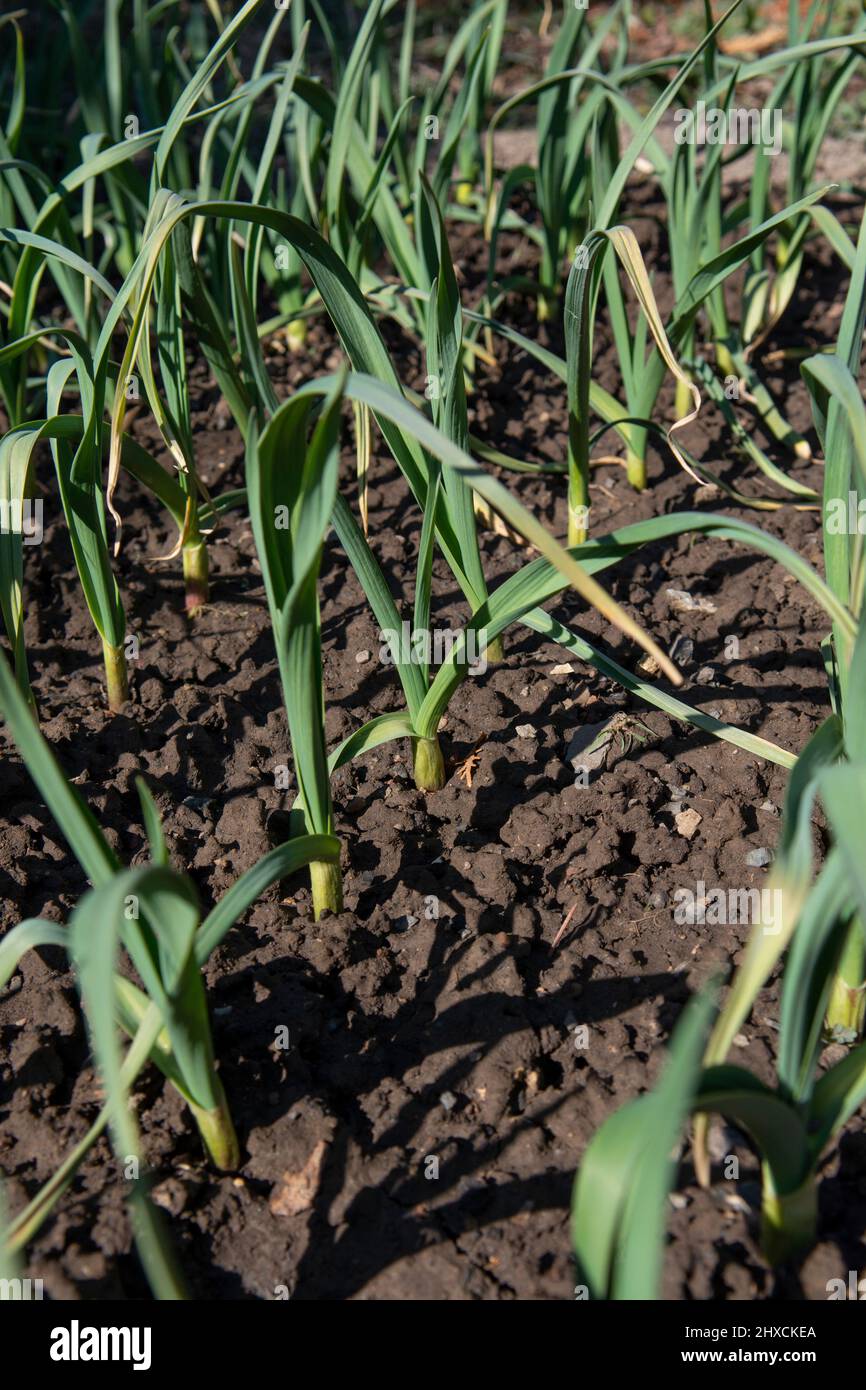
[436, 1017]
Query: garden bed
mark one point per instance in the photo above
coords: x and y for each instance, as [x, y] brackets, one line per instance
[485, 925]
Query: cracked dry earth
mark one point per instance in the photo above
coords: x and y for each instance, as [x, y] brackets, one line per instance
[440, 1016]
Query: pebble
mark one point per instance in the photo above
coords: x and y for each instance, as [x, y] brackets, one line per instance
[448, 1100]
[682, 650]
[758, 858]
[296, 1192]
[683, 602]
[566, 669]
[171, 1195]
[687, 822]
[525, 731]
[736, 1202]
[362, 656]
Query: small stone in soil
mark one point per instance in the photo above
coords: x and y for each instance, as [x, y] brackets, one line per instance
[736, 1202]
[362, 656]
[687, 822]
[171, 1195]
[682, 602]
[682, 650]
[525, 731]
[758, 858]
[448, 1100]
[296, 1191]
